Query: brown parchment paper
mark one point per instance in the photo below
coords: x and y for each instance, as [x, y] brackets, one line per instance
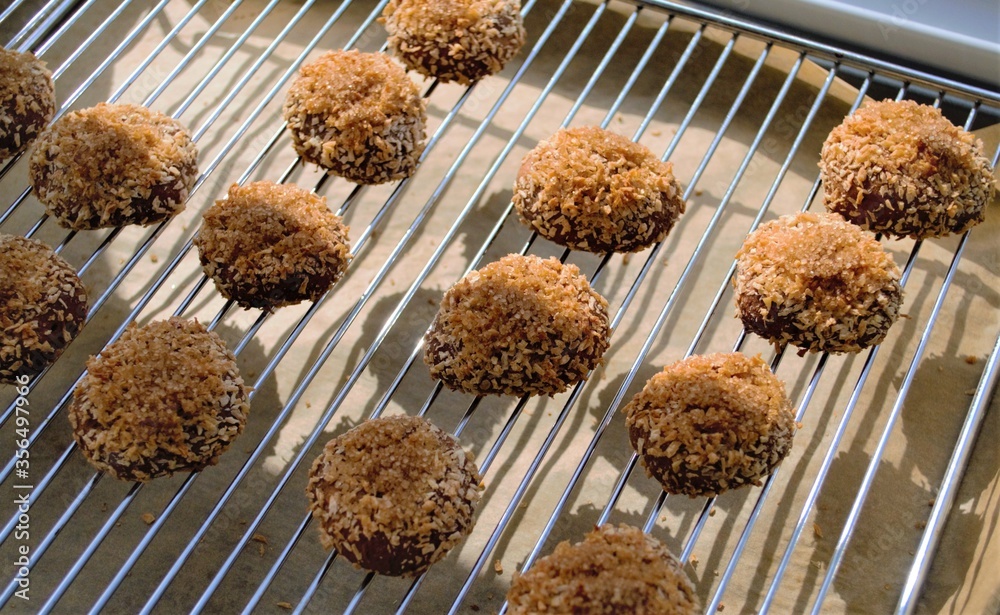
[964, 577]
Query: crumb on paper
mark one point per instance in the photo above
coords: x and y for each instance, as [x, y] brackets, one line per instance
[716, 572]
[711, 512]
[906, 316]
[309, 405]
[626, 258]
[971, 360]
[699, 192]
[817, 530]
[887, 587]
[722, 607]
[920, 525]
[474, 608]
[694, 561]
[931, 501]
[262, 540]
[498, 567]
[284, 605]
[970, 392]
[657, 132]
[154, 258]
[148, 518]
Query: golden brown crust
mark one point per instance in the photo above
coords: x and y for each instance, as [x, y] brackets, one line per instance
[589, 189]
[818, 282]
[614, 570]
[43, 305]
[163, 398]
[454, 40]
[357, 115]
[394, 495]
[711, 423]
[27, 100]
[901, 168]
[267, 245]
[518, 326]
[112, 165]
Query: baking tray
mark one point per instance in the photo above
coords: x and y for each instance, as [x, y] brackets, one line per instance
[948, 38]
[850, 521]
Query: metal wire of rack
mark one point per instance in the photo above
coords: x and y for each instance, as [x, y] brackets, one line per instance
[736, 106]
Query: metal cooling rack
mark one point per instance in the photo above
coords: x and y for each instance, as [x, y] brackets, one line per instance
[237, 537]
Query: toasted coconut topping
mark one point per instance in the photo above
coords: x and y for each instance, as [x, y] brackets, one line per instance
[589, 189]
[43, 305]
[711, 423]
[163, 398]
[112, 165]
[901, 168]
[394, 495]
[614, 570]
[27, 100]
[519, 326]
[268, 245]
[357, 115]
[817, 282]
[454, 40]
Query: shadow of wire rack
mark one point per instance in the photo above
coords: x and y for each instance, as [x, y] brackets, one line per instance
[739, 109]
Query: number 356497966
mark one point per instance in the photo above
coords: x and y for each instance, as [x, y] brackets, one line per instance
[22, 423]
